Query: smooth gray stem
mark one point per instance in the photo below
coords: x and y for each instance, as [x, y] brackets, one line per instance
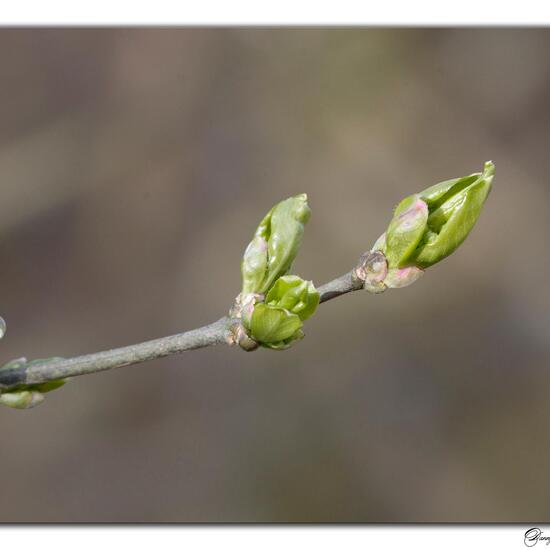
[344, 284]
[208, 335]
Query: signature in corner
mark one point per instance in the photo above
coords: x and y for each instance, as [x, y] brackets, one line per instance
[534, 535]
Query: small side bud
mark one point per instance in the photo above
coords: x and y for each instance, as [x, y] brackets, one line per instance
[372, 271]
[22, 399]
[26, 396]
[238, 336]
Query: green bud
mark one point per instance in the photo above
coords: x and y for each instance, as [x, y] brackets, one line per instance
[287, 343]
[275, 245]
[292, 293]
[272, 306]
[254, 264]
[454, 208]
[23, 399]
[26, 396]
[274, 327]
[430, 225]
[406, 230]
[277, 322]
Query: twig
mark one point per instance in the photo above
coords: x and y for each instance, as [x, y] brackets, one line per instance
[209, 335]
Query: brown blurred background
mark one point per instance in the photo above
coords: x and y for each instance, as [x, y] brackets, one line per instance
[134, 166]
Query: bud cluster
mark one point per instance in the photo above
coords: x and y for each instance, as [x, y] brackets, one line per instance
[426, 228]
[272, 306]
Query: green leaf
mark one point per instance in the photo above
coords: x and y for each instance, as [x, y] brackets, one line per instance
[271, 325]
[438, 193]
[406, 230]
[254, 265]
[453, 216]
[282, 230]
[287, 229]
[294, 294]
[430, 225]
[285, 344]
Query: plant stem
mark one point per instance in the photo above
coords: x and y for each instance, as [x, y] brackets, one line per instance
[209, 335]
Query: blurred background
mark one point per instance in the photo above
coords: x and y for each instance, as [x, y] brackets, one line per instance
[134, 167]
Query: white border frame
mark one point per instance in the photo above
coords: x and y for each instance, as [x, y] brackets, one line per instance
[282, 12]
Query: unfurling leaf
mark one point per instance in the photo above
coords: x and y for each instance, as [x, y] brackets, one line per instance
[429, 226]
[271, 324]
[275, 245]
[294, 294]
[277, 322]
